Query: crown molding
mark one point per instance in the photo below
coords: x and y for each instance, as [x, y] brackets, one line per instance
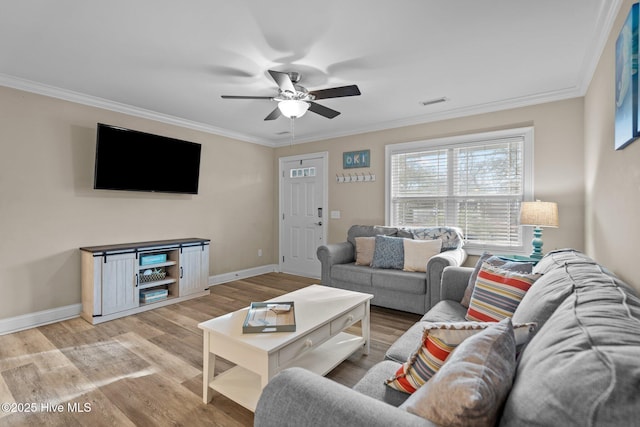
[94, 101]
[454, 113]
[606, 18]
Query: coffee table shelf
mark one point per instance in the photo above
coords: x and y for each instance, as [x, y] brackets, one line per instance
[319, 343]
[244, 386]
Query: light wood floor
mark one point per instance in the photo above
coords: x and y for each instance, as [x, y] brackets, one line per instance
[146, 369]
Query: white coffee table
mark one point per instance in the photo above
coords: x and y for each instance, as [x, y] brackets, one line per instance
[318, 344]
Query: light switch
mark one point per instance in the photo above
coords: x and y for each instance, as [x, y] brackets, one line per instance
[335, 214]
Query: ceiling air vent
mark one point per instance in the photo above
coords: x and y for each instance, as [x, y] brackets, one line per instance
[434, 101]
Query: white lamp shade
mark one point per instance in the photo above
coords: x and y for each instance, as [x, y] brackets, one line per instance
[540, 214]
[292, 108]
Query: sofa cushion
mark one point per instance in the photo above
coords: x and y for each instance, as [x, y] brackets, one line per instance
[451, 237]
[437, 342]
[418, 252]
[405, 346]
[520, 267]
[400, 281]
[558, 258]
[544, 297]
[388, 253]
[497, 293]
[372, 384]
[369, 231]
[351, 273]
[443, 311]
[582, 367]
[471, 387]
[364, 250]
[446, 311]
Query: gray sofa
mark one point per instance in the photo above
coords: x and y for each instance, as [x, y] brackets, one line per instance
[581, 368]
[409, 291]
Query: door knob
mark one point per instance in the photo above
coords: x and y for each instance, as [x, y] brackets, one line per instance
[318, 223]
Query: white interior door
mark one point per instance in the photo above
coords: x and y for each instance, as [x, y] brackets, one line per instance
[303, 213]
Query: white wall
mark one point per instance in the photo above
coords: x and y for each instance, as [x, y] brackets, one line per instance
[612, 177]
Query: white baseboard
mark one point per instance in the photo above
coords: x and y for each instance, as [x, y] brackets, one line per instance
[39, 318]
[45, 317]
[242, 274]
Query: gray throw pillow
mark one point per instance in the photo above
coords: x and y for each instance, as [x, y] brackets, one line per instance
[473, 384]
[388, 253]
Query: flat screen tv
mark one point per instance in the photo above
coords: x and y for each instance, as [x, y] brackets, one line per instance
[131, 160]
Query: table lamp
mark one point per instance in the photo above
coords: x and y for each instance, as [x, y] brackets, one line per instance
[539, 214]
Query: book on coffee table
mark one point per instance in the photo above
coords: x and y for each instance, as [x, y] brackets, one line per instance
[270, 317]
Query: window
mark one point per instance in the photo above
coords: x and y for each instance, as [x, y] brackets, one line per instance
[475, 182]
[302, 172]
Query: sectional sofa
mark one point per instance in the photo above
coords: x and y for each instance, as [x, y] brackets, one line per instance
[580, 368]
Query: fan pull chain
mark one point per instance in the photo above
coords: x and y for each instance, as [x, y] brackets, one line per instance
[293, 131]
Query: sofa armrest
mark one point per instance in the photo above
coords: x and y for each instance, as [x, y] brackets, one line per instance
[454, 282]
[300, 398]
[435, 268]
[334, 253]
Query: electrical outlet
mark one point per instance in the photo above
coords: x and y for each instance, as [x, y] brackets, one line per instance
[259, 252]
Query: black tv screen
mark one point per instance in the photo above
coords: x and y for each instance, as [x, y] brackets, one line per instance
[131, 160]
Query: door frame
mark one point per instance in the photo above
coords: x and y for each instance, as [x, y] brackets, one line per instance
[324, 156]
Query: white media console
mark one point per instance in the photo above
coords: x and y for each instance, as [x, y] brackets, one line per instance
[119, 280]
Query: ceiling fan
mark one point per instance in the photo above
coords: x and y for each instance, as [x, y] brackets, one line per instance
[294, 100]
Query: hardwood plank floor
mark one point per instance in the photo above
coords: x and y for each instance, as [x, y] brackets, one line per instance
[146, 369]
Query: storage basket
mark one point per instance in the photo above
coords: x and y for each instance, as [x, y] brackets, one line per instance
[153, 277]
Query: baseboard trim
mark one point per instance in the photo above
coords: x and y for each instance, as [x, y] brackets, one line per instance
[45, 317]
[242, 274]
[39, 318]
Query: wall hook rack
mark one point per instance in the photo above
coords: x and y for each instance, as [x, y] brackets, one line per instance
[341, 178]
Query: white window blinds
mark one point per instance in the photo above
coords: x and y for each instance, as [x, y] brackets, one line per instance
[476, 184]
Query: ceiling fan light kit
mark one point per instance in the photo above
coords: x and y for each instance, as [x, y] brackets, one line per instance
[292, 108]
[294, 100]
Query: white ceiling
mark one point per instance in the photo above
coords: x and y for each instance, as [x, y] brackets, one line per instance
[171, 60]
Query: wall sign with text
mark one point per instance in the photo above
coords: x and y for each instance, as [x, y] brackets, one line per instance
[356, 159]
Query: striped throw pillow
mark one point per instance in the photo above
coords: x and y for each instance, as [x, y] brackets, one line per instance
[438, 341]
[497, 293]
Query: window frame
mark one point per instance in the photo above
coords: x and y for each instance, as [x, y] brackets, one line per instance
[526, 133]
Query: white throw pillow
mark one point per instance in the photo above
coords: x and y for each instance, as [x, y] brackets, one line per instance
[418, 252]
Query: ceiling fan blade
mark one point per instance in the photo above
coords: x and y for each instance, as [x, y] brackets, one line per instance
[274, 114]
[336, 92]
[245, 97]
[283, 80]
[322, 110]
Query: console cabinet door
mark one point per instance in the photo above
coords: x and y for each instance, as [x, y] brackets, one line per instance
[119, 283]
[194, 269]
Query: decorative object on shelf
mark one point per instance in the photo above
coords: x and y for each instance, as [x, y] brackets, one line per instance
[626, 121]
[356, 159]
[152, 259]
[361, 177]
[539, 214]
[270, 317]
[153, 295]
[154, 275]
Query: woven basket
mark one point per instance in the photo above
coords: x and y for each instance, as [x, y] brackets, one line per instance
[153, 277]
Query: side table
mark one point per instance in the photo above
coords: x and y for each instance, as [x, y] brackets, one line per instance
[519, 258]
